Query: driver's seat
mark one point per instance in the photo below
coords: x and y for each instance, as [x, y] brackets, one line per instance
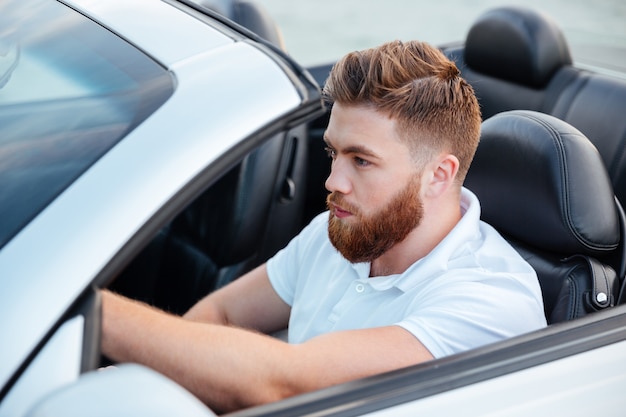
[544, 186]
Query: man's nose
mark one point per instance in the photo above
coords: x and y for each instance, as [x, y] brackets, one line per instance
[337, 179]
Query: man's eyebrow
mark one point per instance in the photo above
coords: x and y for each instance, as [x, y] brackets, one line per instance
[353, 149]
[361, 150]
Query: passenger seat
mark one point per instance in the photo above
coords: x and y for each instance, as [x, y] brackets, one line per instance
[533, 175]
[517, 58]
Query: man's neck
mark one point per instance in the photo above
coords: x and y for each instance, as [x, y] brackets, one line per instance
[435, 226]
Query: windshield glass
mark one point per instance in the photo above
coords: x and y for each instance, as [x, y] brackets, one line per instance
[321, 31]
[69, 90]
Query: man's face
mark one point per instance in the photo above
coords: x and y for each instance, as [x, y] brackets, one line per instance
[374, 201]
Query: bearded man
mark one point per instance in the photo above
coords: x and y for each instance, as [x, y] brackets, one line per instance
[400, 270]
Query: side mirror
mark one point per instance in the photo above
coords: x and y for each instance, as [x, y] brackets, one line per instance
[128, 390]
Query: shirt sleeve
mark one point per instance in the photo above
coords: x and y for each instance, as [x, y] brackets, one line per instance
[473, 314]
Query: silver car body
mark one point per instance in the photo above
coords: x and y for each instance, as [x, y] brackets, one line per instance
[74, 238]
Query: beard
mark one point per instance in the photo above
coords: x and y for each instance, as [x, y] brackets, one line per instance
[371, 236]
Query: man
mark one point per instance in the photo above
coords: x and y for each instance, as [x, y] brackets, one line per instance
[399, 271]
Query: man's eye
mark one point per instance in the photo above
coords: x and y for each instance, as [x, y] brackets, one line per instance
[361, 162]
[330, 152]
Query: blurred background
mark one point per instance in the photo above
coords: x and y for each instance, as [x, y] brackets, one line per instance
[317, 31]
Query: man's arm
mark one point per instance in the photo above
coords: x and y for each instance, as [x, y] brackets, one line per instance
[231, 368]
[249, 302]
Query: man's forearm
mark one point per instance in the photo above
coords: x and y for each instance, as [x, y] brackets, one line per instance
[196, 355]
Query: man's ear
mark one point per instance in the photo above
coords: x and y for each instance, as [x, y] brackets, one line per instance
[443, 174]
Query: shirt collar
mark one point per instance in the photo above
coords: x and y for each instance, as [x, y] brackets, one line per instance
[465, 231]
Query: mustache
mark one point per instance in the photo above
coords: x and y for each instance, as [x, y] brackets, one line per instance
[339, 199]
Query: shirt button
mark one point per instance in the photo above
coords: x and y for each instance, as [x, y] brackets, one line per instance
[360, 288]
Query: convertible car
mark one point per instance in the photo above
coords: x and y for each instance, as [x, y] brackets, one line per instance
[163, 148]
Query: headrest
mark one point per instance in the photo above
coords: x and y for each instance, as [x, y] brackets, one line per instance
[256, 18]
[518, 45]
[250, 15]
[542, 182]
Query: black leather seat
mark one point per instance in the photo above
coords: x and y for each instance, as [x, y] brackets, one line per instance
[248, 14]
[543, 185]
[518, 58]
[511, 56]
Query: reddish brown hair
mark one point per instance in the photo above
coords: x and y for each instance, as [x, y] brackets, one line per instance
[415, 84]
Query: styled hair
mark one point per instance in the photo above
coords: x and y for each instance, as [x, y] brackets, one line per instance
[416, 85]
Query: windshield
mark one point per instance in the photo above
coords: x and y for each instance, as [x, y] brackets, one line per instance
[69, 90]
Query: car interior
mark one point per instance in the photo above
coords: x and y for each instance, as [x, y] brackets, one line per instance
[548, 173]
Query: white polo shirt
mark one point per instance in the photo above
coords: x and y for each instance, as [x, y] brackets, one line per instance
[471, 290]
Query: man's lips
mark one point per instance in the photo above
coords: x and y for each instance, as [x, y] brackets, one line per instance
[339, 212]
